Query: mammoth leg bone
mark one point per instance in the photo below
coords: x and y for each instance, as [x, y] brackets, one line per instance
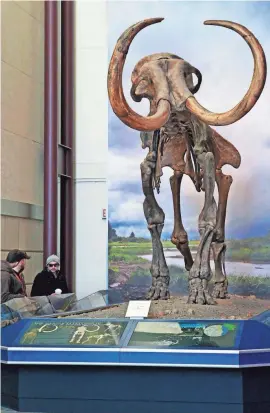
[179, 236]
[155, 219]
[200, 273]
[219, 247]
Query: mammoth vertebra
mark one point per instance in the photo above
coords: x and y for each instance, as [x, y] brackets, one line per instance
[178, 135]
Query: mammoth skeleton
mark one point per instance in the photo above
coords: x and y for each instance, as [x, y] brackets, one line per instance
[177, 133]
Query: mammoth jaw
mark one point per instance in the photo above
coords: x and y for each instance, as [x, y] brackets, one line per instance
[171, 85]
[176, 106]
[177, 97]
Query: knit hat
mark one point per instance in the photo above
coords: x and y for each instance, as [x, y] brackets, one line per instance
[52, 258]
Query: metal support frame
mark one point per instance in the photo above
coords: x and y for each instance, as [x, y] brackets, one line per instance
[58, 158]
[50, 128]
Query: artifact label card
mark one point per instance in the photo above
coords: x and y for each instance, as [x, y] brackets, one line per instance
[138, 309]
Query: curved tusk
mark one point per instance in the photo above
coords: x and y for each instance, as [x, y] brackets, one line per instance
[115, 88]
[254, 91]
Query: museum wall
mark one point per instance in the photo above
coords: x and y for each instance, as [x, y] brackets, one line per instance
[22, 146]
[91, 147]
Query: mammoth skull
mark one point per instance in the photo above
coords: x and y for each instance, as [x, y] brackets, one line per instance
[166, 80]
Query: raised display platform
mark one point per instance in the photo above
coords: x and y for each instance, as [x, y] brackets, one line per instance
[79, 365]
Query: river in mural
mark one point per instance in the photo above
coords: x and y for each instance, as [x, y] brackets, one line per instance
[173, 258]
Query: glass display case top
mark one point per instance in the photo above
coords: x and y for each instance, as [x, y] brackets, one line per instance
[72, 332]
[184, 334]
[263, 318]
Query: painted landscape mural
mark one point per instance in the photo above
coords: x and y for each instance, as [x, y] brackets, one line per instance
[226, 65]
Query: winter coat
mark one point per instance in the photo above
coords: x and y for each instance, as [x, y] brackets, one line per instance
[11, 286]
[45, 283]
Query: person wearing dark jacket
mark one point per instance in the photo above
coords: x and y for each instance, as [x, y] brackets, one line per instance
[12, 283]
[17, 260]
[50, 279]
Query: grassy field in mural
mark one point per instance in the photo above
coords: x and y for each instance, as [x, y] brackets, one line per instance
[249, 250]
[238, 284]
[128, 265]
[245, 250]
[130, 252]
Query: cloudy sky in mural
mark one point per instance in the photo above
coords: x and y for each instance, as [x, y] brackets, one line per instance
[226, 65]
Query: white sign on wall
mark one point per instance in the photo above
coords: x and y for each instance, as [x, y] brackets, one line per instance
[138, 309]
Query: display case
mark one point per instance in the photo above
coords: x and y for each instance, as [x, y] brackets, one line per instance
[205, 343]
[68, 365]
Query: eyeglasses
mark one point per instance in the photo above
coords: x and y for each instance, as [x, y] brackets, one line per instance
[53, 265]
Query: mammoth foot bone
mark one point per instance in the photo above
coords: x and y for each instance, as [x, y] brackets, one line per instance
[159, 289]
[221, 289]
[199, 292]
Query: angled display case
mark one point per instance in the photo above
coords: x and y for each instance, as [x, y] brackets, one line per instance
[69, 365]
[206, 343]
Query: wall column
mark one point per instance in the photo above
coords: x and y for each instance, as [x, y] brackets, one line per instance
[91, 147]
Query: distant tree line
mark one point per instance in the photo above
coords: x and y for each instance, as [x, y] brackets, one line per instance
[112, 236]
[232, 244]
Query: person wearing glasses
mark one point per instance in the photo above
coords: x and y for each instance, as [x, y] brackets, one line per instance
[50, 280]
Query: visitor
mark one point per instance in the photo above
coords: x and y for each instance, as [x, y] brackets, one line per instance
[50, 280]
[12, 278]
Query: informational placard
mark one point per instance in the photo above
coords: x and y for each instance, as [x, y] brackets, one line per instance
[73, 332]
[138, 309]
[183, 334]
